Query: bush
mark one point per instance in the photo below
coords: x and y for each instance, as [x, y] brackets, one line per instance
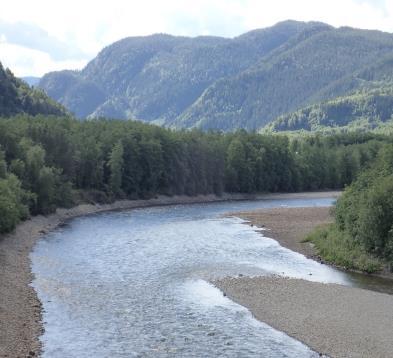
[365, 210]
[12, 207]
[338, 248]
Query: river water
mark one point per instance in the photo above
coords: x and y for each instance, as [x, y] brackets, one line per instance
[135, 283]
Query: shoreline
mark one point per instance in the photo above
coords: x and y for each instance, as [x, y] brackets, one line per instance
[20, 309]
[289, 226]
[298, 223]
[333, 320]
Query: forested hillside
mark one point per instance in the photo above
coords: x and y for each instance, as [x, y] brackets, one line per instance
[225, 84]
[363, 110]
[47, 162]
[313, 67]
[155, 78]
[17, 97]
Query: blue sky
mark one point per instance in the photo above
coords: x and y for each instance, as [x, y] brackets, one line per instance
[45, 35]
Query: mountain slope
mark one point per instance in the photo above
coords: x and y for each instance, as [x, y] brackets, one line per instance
[17, 97]
[225, 84]
[308, 72]
[156, 78]
[366, 109]
[31, 80]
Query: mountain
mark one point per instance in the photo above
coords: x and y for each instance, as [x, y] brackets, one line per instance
[16, 96]
[31, 80]
[156, 78]
[366, 109]
[225, 84]
[301, 73]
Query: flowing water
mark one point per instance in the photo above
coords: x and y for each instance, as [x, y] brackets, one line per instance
[135, 283]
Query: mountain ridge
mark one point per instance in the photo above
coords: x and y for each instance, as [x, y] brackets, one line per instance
[220, 83]
[187, 66]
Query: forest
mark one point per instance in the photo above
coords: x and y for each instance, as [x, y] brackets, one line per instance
[48, 162]
[17, 97]
[363, 110]
[244, 82]
[362, 235]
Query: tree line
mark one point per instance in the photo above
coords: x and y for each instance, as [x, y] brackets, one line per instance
[48, 162]
[365, 211]
[361, 236]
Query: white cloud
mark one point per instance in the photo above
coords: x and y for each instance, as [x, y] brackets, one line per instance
[353, 13]
[32, 36]
[24, 61]
[89, 25]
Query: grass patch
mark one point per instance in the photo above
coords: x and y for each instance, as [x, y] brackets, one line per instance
[340, 249]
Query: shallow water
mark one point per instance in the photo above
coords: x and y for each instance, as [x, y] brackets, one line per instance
[134, 283]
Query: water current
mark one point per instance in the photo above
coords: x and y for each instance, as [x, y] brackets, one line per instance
[136, 283]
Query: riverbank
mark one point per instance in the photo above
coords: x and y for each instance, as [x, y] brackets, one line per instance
[289, 226]
[339, 321]
[20, 309]
[335, 320]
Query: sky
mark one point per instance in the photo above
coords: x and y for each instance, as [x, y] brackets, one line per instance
[40, 36]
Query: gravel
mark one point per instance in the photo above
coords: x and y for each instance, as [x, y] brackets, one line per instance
[335, 320]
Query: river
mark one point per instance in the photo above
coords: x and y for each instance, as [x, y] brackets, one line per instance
[136, 283]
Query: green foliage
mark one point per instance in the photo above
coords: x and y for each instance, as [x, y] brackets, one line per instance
[364, 110]
[58, 160]
[238, 175]
[364, 213]
[115, 164]
[338, 248]
[3, 166]
[12, 203]
[17, 97]
[376, 218]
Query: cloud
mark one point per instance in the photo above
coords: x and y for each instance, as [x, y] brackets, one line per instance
[379, 4]
[355, 13]
[24, 61]
[34, 37]
[73, 30]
